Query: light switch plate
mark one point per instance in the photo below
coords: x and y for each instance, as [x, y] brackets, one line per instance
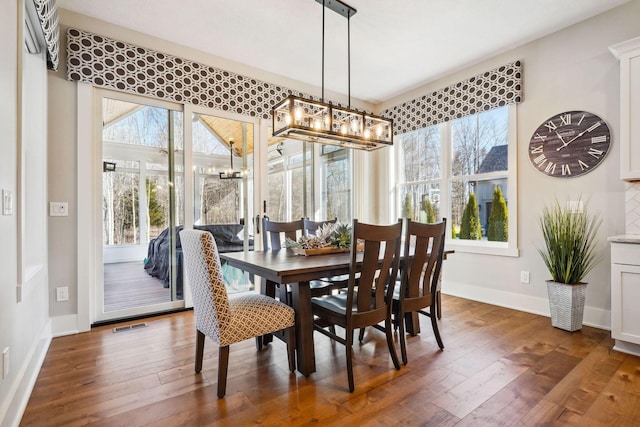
[58, 209]
[7, 202]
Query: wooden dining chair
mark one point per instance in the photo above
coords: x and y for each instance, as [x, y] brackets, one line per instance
[367, 302]
[310, 227]
[228, 320]
[274, 235]
[420, 281]
[326, 285]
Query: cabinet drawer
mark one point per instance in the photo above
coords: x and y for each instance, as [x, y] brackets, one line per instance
[625, 253]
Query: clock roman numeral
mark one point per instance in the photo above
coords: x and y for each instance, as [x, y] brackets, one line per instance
[566, 170]
[583, 165]
[551, 168]
[540, 160]
[597, 139]
[595, 153]
[593, 126]
[565, 119]
[540, 137]
[581, 119]
[536, 150]
[550, 125]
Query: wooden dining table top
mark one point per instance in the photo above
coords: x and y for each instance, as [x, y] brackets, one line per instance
[284, 266]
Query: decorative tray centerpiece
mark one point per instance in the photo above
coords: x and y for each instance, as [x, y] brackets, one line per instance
[330, 238]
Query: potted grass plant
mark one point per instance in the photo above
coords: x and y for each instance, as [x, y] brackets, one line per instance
[570, 253]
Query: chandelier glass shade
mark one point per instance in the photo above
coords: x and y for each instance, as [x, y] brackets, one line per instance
[308, 120]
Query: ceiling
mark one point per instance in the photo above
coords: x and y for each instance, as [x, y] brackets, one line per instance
[396, 45]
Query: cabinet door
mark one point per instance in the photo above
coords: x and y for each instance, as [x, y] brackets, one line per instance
[625, 294]
[628, 52]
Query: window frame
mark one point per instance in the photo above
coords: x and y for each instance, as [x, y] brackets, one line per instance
[444, 182]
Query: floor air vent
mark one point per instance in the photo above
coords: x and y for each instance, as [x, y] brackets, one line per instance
[129, 327]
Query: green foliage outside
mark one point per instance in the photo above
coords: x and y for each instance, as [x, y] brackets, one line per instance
[156, 213]
[498, 218]
[570, 242]
[470, 227]
[407, 207]
[427, 207]
[454, 233]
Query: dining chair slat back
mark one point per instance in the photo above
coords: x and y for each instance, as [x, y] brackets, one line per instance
[310, 227]
[275, 233]
[372, 278]
[326, 285]
[420, 280]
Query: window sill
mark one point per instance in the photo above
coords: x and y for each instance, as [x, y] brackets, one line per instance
[482, 247]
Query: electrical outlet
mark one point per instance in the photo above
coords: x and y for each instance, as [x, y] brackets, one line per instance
[524, 277]
[5, 363]
[62, 293]
[58, 209]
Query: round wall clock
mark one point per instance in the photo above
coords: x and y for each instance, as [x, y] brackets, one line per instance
[569, 144]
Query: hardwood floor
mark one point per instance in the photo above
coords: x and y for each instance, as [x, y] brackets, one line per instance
[500, 367]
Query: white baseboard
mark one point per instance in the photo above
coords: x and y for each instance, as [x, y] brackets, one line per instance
[596, 317]
[13, 408]
[64, 325]
[627, 347]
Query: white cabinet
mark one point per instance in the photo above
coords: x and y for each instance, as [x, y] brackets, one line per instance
[625, 294]
[628, 53]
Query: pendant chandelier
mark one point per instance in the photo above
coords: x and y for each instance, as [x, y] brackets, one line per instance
[231, 174]
[318, 121]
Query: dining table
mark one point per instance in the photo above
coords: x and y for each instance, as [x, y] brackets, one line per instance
[288, 268]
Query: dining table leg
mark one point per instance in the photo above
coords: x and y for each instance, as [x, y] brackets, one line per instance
[412, 323]
[301, 301]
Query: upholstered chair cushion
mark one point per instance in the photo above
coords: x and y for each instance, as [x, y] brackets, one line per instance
[223, 319]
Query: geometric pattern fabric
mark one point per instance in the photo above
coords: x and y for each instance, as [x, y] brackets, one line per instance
[226, 320]
[491, 89]
[47, 12]
[121, 66]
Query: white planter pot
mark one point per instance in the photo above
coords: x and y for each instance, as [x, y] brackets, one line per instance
[566, 303]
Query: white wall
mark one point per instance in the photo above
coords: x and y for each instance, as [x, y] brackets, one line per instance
[568, 70]
[24, 326]
[571, 69]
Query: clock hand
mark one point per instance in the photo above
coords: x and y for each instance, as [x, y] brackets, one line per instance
[560, 136]
[571, 140]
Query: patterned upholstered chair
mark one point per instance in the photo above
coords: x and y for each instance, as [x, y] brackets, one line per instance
[228, 320]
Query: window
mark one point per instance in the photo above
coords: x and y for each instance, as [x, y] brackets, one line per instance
[335, 164]
[323, 172]
[449, 168]
[289, 170]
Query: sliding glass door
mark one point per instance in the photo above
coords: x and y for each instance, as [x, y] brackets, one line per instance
[163, 169]
[223, 177]
[142, 208]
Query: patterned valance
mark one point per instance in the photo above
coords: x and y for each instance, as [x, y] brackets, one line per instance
[48, 16]
[121, 66]
[483, 92]
[113, 64]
